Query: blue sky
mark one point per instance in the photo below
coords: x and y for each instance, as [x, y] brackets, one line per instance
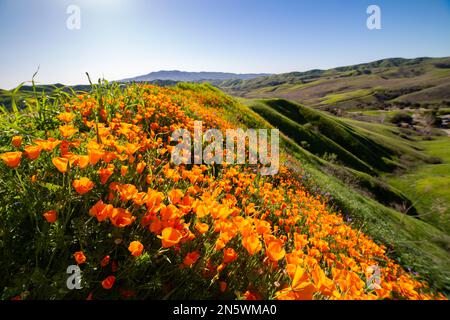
[123, 38]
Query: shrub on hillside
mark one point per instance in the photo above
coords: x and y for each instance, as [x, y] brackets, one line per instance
[401, 117]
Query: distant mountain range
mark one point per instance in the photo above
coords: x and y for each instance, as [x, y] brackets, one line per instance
[176, 75]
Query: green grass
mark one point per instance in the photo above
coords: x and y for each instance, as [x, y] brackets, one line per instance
[443, 111]
[388, 114]
[429, 184]
[366, 147]
[392, 137]
[345, 96]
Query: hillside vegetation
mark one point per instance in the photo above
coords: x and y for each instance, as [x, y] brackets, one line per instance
[86, 179]
[393, 82]
[429, 185]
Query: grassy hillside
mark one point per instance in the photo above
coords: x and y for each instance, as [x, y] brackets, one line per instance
[374, 204]
[389, 82]
[429, 185]
[363, 146]
[94, 185]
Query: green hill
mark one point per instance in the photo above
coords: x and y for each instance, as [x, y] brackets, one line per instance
[388, 82]
[349, 140]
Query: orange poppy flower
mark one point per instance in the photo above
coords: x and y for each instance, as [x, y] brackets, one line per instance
[108, 282]
[191, 258]
[252, 243]
[83, 161]
[300, 240]
[47, 145]
[51, 216]
[275, 250]
[105, 173]
[16, 141]
[67, 131]
[153, 199]
[170, 237]
[32, 152]
[139, 198]
[80, 258]
[61, 164]
[11, 159]
[82, 185]
[322, 282]
[229, 255]
[101, 210]
[156, 226]
[66, 117]
[121, 217]
[108, 156]
[122, 157]
[123, 170]
[201, 227]
[140, 167]
[170, 213]
[95, 153]
[127, 191]
[220, 244]
[105, 261]
[301, 287]
[201, 211]
[64, 147]
[135, 248]
[131, 148]
[175, 196]
[94, 156]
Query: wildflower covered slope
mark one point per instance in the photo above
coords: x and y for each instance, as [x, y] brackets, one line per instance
[87, 180]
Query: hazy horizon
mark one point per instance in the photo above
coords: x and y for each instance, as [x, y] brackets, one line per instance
[209, 71]
[120, 39]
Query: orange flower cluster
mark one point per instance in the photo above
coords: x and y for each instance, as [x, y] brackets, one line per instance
[262, 236]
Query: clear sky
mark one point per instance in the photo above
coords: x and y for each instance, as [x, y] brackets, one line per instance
[124, 38]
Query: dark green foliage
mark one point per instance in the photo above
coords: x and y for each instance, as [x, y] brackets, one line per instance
[324, 133]
[401, 117]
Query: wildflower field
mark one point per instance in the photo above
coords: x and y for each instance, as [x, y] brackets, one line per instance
[86, 179]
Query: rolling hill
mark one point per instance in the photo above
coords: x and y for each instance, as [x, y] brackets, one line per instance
[380, 84]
